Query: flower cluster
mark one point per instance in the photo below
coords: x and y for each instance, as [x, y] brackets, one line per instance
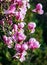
[22, 48]
[18, 9]
[16, 37]
[14, 33]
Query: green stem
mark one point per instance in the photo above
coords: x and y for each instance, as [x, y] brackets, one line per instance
[19, 63]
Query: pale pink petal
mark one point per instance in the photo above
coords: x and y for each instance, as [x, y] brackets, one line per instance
[33, 30]
[34, 10]
[22, 59]
[40, 12]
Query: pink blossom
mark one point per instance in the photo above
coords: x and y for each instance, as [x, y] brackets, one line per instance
[33, 43]
[38, 9]
[14, 37]
[7, 41]
[22, 59]
[5, 38]
[25, 46]
[31, 27]
[21, 25]
[17, 55]
[18, 47]
[10, 10]
[24, 53]
[21, 47]
[21, 36]
[15, 27]
[20, 56]
[23, 10]
[18, 2]
[19, 16]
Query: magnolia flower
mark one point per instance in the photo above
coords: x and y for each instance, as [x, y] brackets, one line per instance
[25, 46]
[38, 9]
[15, 27]
[22, 59]
[21, 25]
[19, 15]
[14, 37]
[10, 10]
[31, 27]
[5, 38]
[20, 56]
[23, 10]
[18, 47]
[21, 36]
[21, 47]
[33, 43]
[7, 41]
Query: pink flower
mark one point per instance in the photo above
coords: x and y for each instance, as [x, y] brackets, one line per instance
[31, 27]
[17, 55]
[38, 9]
[19, 15]
[18, 47]
[22, 59]
[5, 38]
[33, 43]
[14, 37]
[7, 41]
[23, 10]
[25, 46]
[21, 25]
[21, 47]
[15, 27]
[20, 56]
[21, 36]
[10, 10]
